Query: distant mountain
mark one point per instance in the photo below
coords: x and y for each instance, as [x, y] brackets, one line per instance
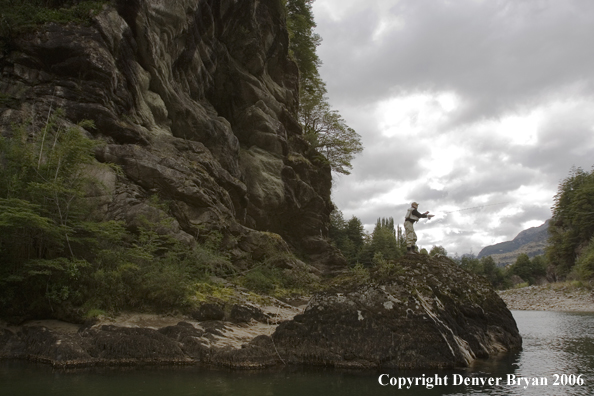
[531, 241]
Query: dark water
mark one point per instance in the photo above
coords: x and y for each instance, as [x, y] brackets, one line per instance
[557, 346]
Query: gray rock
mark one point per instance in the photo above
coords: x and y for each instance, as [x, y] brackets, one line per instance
[416, 323]
[197, 102]
[245, 313]
[209, 312]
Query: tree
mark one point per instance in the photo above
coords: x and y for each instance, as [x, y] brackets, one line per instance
[584, 267]
[470, 263]
[349, 237]
[328, 133]
[435, 250]
[383, 239]
[493, 273]
[303, 43]
[355, 232]
[528, 270]
[324, 128]
[572, 224]
[56, 258]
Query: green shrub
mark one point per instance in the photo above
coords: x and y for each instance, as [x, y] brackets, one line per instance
[55, 258]
[386, 268]
[262, 279]
[584, 267]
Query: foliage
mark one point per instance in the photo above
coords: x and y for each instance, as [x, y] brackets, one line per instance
[360, 273]
[328, 133]
[348, 237]
[486, 267]
[383, 239]
[303, 44]
[357, 247]
[324, 128]
[18, 17]
[584, 267]
[24, 15]
[435, 250]
[41, 186]
[572, 225]
[386, 268]
[277, 282]
[54, 259]
[495, 275]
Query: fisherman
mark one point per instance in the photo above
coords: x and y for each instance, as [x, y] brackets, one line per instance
[412, 216]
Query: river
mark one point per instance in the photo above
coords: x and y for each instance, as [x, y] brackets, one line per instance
[557, 359]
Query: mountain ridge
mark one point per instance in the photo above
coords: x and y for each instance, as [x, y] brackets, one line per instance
[531, 241]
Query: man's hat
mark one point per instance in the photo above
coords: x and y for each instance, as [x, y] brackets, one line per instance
[414, 204]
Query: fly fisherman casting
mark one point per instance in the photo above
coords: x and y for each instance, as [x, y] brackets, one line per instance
[412, 216]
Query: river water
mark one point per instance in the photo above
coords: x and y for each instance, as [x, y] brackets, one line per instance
[557, 359]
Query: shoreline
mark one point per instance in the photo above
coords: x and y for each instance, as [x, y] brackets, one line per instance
[122, 341]
[558, 297]
[129, 340]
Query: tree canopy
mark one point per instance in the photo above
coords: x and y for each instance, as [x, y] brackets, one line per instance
[324, 128]
[572, 226]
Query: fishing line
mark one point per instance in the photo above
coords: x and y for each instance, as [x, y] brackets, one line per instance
[476, 207]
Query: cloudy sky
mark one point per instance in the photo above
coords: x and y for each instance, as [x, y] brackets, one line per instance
[459, 104]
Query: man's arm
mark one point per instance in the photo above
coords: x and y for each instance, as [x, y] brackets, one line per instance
[419, 215]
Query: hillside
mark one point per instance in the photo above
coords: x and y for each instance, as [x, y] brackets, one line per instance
[531, 241]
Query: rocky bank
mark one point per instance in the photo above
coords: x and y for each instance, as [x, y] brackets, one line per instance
[419, 313]
[550, 297]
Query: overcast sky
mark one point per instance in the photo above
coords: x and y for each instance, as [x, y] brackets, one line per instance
[459, 104]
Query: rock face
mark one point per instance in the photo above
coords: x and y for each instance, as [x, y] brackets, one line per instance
[531, 241]
[196, 101]
[424, 313]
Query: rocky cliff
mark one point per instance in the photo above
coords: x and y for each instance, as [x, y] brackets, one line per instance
[196, 101]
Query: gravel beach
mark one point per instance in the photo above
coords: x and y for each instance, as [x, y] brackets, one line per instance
[551, 297]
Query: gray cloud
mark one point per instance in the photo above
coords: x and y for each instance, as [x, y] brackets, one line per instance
[497, 55]
[500, 58]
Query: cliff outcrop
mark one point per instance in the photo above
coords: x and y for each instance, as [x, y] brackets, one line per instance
[196, 102]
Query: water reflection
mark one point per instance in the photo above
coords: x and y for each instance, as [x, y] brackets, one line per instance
[554, 343]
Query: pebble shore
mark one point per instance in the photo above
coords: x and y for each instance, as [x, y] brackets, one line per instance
[551, 297]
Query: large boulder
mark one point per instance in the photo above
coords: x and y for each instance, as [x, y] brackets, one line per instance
[422, 312]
